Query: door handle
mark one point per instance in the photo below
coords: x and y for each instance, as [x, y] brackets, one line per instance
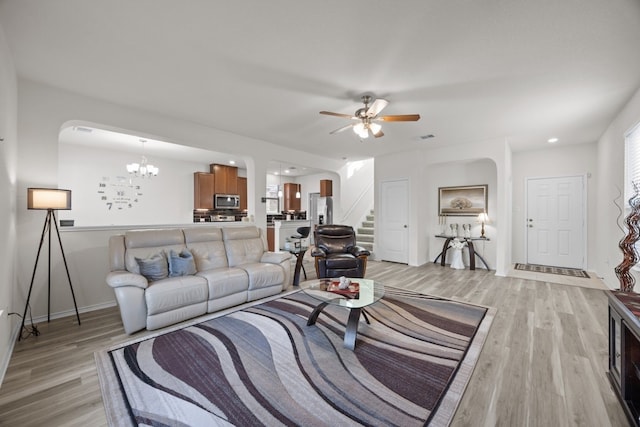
[405, 226]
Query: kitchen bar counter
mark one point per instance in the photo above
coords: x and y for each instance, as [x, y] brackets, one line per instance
[284, 229]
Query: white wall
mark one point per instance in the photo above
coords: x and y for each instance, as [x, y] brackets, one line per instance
[8, 163]
[477, 172]
[164, 199]
[415, 166]
[558, 160]
[356, 192]
[610, 166]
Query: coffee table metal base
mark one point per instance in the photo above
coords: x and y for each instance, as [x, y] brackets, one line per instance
[351, 332]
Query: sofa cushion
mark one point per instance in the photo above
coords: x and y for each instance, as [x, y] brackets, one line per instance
[175, 292]
[225, 281]
[262, 275]
[209, 255]
[145, 243]
[181, 264]
[154, 267]
[244, 245]
[337, 261]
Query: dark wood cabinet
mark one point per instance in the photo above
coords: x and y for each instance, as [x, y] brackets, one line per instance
[242, 192]
[291, 202]
[624, 350]
[270, 238]
[226, 181]
[203, 188]
[326, 188]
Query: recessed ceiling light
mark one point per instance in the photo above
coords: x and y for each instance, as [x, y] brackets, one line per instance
[232, 162]
[552, 140]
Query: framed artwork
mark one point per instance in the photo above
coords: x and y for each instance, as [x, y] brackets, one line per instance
[470, 200]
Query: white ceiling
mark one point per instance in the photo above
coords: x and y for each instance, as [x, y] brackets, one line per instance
[517, 70]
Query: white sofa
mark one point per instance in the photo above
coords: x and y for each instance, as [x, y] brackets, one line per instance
[232, 266]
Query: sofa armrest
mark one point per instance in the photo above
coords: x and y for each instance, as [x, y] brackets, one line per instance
[359, 251]
[317, 252]
[275, 257]
[120, 278]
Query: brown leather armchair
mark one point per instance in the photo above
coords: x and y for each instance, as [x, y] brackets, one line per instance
[336, 253]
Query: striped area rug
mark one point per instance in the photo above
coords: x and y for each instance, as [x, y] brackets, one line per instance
[574, 272]
[262, 365]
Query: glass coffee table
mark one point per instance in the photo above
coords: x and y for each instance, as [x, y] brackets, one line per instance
[355, 299]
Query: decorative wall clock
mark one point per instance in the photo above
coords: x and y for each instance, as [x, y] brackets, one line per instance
[119, 192]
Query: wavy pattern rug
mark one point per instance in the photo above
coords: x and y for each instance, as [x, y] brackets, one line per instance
[262, 365]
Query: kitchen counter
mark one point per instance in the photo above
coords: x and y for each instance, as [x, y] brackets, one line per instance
[284, 229]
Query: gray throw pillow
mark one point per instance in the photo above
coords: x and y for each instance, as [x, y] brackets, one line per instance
[154, 268]
[181, 264]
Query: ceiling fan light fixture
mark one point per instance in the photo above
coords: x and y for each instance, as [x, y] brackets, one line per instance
[359, 128]
[375, 128]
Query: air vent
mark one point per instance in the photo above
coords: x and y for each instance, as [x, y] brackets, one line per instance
[82, 129]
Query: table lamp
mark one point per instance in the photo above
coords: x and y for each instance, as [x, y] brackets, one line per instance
[482, 219]
[49, 199]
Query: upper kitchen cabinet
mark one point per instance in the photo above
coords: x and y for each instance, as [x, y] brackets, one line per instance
[226, 179]
[291, 202]
[203, 189]
[326, 188]
[242, 192]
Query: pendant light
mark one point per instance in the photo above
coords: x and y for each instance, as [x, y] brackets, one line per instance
[280, 182]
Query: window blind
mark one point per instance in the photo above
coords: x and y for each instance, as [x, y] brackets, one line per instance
[632, 163]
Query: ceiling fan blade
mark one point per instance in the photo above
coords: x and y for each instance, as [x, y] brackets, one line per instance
[341, 129]
[377, 106]
[329, 113]
[378, 134]
[400, 118]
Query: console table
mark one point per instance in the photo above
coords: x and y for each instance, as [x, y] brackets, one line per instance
[472, 253]
[624, 350]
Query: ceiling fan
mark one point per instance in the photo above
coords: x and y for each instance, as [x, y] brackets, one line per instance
[367, 117]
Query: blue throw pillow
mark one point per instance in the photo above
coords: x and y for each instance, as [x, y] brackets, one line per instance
[181, 264]
[154, 268]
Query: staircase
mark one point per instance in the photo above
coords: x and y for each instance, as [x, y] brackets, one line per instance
[364, 235]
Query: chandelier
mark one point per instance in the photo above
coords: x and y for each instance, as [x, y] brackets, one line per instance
[142, 169]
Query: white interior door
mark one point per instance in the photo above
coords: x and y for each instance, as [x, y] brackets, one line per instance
[393, 222]
[555, 222]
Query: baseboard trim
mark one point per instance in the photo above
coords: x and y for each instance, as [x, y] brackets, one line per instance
[4, 364]
[7, 356]
[71, 312]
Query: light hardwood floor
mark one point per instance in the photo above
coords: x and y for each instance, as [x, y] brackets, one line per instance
[544, 362]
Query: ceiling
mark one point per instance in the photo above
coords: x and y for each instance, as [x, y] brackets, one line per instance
[516, 71]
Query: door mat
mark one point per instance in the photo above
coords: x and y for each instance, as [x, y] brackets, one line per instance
[574, 272]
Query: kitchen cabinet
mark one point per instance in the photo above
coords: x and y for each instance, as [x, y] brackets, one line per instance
[291, 203]
[326, 188]
[271, 238]
[242, 192]
[203, 188]
[226, 181]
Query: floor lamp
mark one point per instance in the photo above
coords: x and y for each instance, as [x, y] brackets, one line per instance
[49, 199]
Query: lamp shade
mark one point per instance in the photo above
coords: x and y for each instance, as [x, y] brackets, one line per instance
[48, 198]
[483, 217]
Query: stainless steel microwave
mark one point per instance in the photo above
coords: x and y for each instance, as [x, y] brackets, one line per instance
[226, 201]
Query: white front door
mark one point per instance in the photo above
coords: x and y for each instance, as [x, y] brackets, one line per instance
[393, 222]
[555, 222]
